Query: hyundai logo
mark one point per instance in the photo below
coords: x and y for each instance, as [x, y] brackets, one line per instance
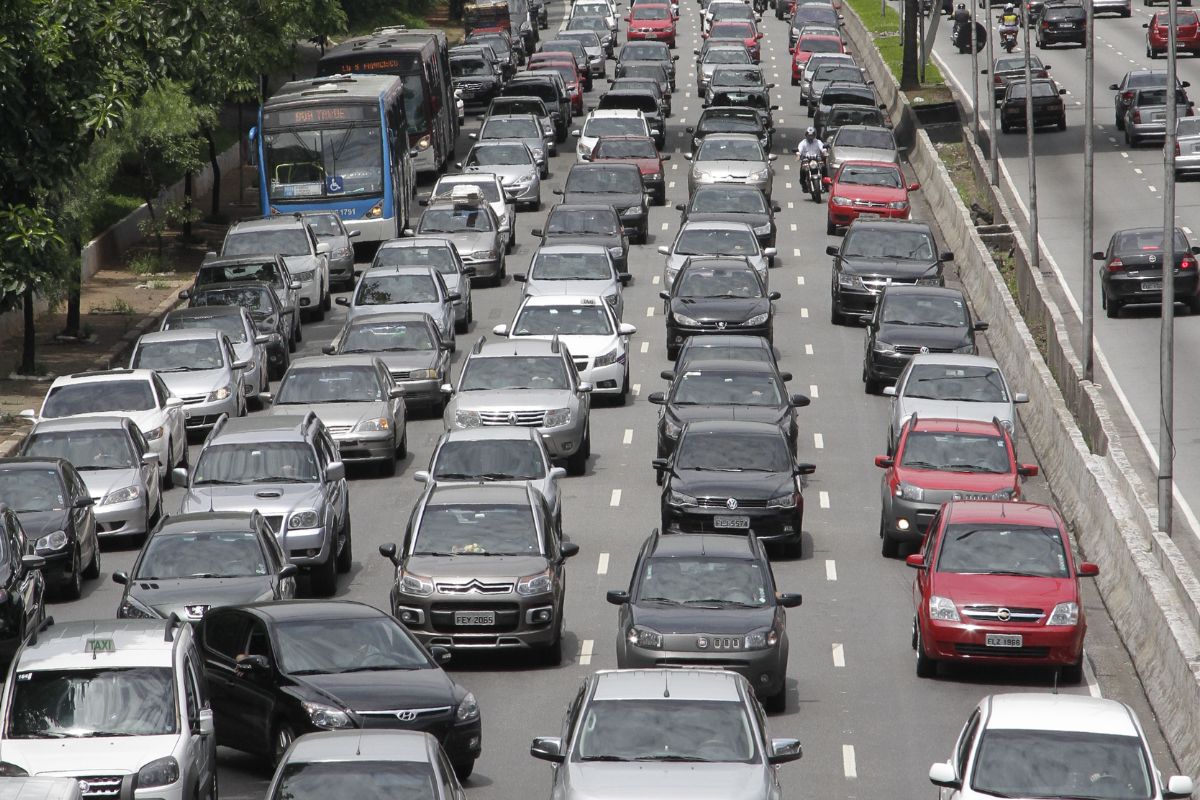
[731, 504]
[1003, 614]
[406, 716]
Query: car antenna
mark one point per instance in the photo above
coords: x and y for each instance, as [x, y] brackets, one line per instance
[666, 683]
[358, 745]
[1054, 688]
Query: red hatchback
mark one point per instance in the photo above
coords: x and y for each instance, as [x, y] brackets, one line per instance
[638, 150]
[867, 189]
[1187, 33]
[739, 31]
[807, 46]
[651, 22]
[997, 584]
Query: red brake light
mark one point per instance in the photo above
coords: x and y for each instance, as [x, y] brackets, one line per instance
[1137, 116]
[1177, 148]
[1187, 263]
[1116, 265]
[1127, 96]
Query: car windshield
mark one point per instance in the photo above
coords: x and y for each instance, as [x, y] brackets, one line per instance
[85, 450]
[642, 12]
[363, 780]
[815, 13]
[988, 549]
[34, 489]
[954, 451]
[721, 388]
[254, 298]
[590, 320]
[719, 149]
[331, 384]
[718, 282]
[183, 355]
[511, 129]
[440, 257]
[92, 703]
[264, 271]
[888, 244]
[858, 115]
[259, 462]
[819, 44]
[96, 397]
[625, 148]
[838, 72]
[325, 224]
[1046, 764]
[868, 175]
[1146, 240]
[1187, 126]
[731, 29]
[465, 67]
[614, 126]
[725, 199]
[664, 729]
[499, 155]
[1016, 89]
[383, 290]
[934, 312]
[737, 76]
[363, 644]
[231, 325]
[864, 137]
[590, 10]
[706, 582]
[700, 241]
[204, 554]
[487, 188]
[378, 337]
[455, 220]
[652, 71]
[598, 221]
[585, 38]
[727, 55]
[645, 52]
[508, 459]
[956, 383]
[581, 19]
[1011, 64]
[484, 529]
[285, 242]
[506, 105]
[515, 372]
[733, 452]
[605, 180]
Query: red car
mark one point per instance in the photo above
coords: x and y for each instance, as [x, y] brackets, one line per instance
[937, 460]
[997, 584]
[738, 30]
[813, 44]
[638, 150]
[867, 189]
[651, 22]
[564, 65]
[1187, 33]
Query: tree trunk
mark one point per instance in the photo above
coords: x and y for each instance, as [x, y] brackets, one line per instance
[214, 213]
[27, 342]
[188, 204]
[74, 289]
[908, 72]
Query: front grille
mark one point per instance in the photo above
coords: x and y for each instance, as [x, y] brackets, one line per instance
[858, 203]
[912, 349]
[707, 663]
[720, 502]
[581, 364]
[1002, 652]
[334, 429]
[100, 786]
[275, 522]
[193, 399]
[526, 419]
[435, 721]
[400, 374]
[475, 587]
[441, 617]
[992, 613]
[877, 285]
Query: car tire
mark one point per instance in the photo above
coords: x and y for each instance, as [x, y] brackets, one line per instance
[1193, 304]
[1112, 308]
[623, 398]
[830, 228]
[926, 666]
[345, 559]
[1005, 127]
[871, 385]
[323, 577]
[1062, 123]
[552, 654]
[463, 769]
[836, 317]
[1071, 674]
[461, 325]
[387, 467]
[672, 353]
[92, 571]
[326, 301]
[282, 737]
[577, 461]
[402, 449]
[793, 549]
[1150, 53]
[889, 547]
[777, 703]
[72, 587]
[292, 344]
[168, 481]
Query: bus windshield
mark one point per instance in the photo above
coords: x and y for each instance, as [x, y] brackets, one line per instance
[416, 103]
[323, 162]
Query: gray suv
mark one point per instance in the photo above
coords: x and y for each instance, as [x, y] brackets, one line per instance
[529, 383]
[288, 468]
[482, 567]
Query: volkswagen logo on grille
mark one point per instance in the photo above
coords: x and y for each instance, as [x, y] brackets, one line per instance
[731, 504]
[406, 716]
[924, 349]
[1003, 615]
[512, 419]
[84, 787]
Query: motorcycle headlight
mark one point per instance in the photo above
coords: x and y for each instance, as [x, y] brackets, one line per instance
[758, 319]
[329, 718]
[684, 319]
[51, 542]
[467, 419]
[122, 495]
[157, 433]
[378, 424]
[784, 501]
[1064, 614]
[220, 394]
[161, 772]
[556, 417]
[670, 428]
[907, 491]
[415, 585]
[942, 608]
[422, 374]
[468, 709]
[881, 346]
[680, 499]
[614, 356]
[850, 281]
[303, 519]
[132, 609]
[540, 583]
[644, 637]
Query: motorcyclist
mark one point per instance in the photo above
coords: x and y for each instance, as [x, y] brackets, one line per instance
[810, 147]
[961, 15]
[1009, 18]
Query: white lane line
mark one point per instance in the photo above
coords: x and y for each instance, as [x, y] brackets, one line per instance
[804, 313]
[830, 569]
[685, 108]
[650, 311]
[1187, 230]
[615, 500]
[793, 227]
[791, 205]
[839, 654]
[628, 437]
[636, 389]
[602, 564]
[795, 250]
[1124, 155]
[808, 351]
[787, 185]
[645, 347]
[799, 280]
[666, 226]
[676, 166]
[824, 499]
[1151, 188]
[1137, 171]
[787, 167]
[656, 279]
[818, 441]
[848, 765]
[671, 185]
[585, 652]
[1089, 675]
[812, 391]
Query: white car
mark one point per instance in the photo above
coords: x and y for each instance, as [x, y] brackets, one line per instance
[609, 122]
[588, 326]
[596, 8]
[138, 394]
[493, 192]
[1053, 745]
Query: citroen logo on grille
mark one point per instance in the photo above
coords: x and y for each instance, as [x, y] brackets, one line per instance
[406, 716]
[731, 504]
[84, 787]
[721, 325]
[1003, 615]
[512, 419]
[924, 349]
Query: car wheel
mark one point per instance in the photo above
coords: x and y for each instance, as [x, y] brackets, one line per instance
[926, 666]
[326, 301]
[777, 703]
[889, 547]
[871, 385]
[402, 449]
[830, 228]
[345, 557]
[1005, 127]
[323, 577]
[836, 317]
[281, 739]
[463, 769]
[461, 325]
[552, 654]
[1150, 53]
[387, 467]
[1062, 122]
[1071, 674]
[577, 461]
[1112, 308]
[72, 588]
[168, 480]
[93, 569]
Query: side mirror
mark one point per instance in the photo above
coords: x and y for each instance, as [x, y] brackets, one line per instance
[831, 250]
[342, 301]
[1087, 569]
[889, 391]
[239, 364]
[149, 459]
[625, 329]
[120, 578]
[388, 551]
[1112, 87]
[557, 473]
[772, 157]
[295, 285]
[664, 250]
[800, 400]
[288, 571]
[458, 164]
[174, 402]
[323, 248]
[547, 748]
[804, 469]
[916, 561]
[980, 326]
[770, 252]
[538, 232]
[454, 297]
[575, 132]
[204, 722]
[335, 471]
[914, 186]
[180, 476]
[1027, 470]
[1020, 397]
[657, 398]
[266, 398]
[1145, 24]
[440, 654]
[253, 664]
[666, 157]
[328, 349]
[421, 476]
[789, 599]
[785, 750]
[1062, 91]
[1196, 250]
[617, 597]
[569, 549]
[827, 181]
[447, 389]
[659, 464]
[665, 295]
[942, 774]
[947, 256]
[396, 392]
[84, 502]
[585, 387]
[667, 374]
[1098, 256]
[500, 330]
[185, 294]
[773, 295]
[884, 461]
[687, 156]
[354, 234]
[262, 338]
[1178, 786]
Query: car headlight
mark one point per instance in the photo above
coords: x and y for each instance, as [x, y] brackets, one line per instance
[761, 175]
[329, 718]
[556, 417]
[122, 495]
[160, 772]
[881, 346]
[632, 211]
[909, 492]
[758, 319]
[936, 280]
[760, 640]
[156, 433]
[377, 424]
[849, 281]
[784, 501]
[467, 419]
[540, 583]
[8, 770]
[614, 356]
[671, 429]
[220, 394]
[898, 204]
[838, 200]
[1064, 614]
[341, 252]
[415, 585]
[644, 637]
[611, 299]
[304, 277]
[942, 608]
[484, 254]
[763, 230]
[680, 499]
[132, 609]
[303, 519]
[424, 142]
[684, 319]
[966, 348]
[422, 374]
[375, 212]
[616, 252]
[703, 175]
[51, 542]
[468, 709]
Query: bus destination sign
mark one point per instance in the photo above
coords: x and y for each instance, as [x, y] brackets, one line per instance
[316, 115]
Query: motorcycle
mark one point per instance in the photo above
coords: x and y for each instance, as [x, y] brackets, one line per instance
[1008, 38]
[811, 171]
[760, 6]
[962, 36]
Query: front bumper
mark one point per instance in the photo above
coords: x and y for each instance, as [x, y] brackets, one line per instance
[843, 215]
[527, 193]
[907, 520]
[766, 669]
[310, 292]
[765, 184]
[373, 230]
[564, 441]
[967, 641]
[424, 161]
[854, 302]
[659, 35]
[306, 547]
[886, 365]
[202, 416]
[768, 524]
[421, 392]
[342, 270]
[121, 519]
[678, 334]
[521, 623]
[484, 268]
[609, 379]
[633, 224]
[364, 447]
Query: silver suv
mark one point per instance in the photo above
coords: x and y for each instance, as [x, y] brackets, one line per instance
[529, 383]
[292, 237]
[288, 468]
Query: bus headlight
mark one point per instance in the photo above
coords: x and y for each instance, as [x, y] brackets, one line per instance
[376, 211]
[424, 142]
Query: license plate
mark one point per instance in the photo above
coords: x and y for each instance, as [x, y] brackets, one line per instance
[475, 618]
[731, 522]
[868, 214]
[1003, 640]
[1151, 286]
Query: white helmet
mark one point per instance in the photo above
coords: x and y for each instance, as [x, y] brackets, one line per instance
[1008, 8]
[811, 131]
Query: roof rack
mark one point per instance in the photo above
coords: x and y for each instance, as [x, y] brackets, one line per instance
[46, 623]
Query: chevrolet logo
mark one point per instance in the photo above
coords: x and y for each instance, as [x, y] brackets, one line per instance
[1003, 615]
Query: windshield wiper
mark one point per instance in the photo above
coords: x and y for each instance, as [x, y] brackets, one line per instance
[604, 758]
[282, 479]
[923, 465]
[721, 602]
[499, 476]
[453, 476]
[377, 668]
[216, 482]
[896, 322]
[670, 758]
[432, 553]
[666, 600]
[90, 468]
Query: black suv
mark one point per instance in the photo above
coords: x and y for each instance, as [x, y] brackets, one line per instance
[1061, 22]
[618, 185]
[267, 311]
[475, 72]
[552, 90]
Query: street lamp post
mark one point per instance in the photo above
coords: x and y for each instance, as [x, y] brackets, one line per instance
[1089, 213]
[1034, 248]
[1166, 357]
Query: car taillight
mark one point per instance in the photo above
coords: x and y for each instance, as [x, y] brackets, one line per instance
[1187, 263]
[1137, 116]
[1116, 265]
[1045, 25]
[1177, 148]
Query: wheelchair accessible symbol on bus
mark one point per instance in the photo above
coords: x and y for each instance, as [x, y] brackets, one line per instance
[334, 184]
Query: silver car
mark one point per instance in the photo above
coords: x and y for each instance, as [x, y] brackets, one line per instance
[597, 56]
[328, 227]
[513, 163]
[861, 143]
[441, 254]
[115, 462]
[467, 220]
[416, 290]
[362, 407]
[728, 79]
[711, 238]
[198, 366]
[1187, 136]
[533, 384]
[952, 386]
[719, 56]
[731, 158]
[493, 194]
[411, 348]
[293, 238]
[1146, 117]
[517, 127]
[575, 269]
[235, 322]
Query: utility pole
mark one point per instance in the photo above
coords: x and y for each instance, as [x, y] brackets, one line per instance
[975, 66]
[1089, 211]
[1166, 355]
[994, 152]
[1034, 248]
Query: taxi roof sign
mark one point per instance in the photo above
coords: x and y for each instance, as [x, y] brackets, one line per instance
[97, 646]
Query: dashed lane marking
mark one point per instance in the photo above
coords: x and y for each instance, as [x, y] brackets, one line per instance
[824, 499]
[839, 655]
[812, 391]
[799, 280]
[666, 226]
[795, 251]
[628, 437]
[818, 441]
[645, 347]
[602, 564]
[804, 313]
[808, 349]
[848, 765]
[830, 569]
[636, 389]
[650, 311]
[656, 279]
[793, 227]
[615, 500]
[585, 652]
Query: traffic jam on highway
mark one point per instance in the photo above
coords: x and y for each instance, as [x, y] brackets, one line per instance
[342, 497]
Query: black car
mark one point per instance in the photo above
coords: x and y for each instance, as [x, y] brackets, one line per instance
[723, 347]
[1125, 90]
[651, 83]
[713, 295]
[713, 601]
[730, 119]
[409, 345]
[553, 94]
[915, 319]
[279, 670]
[756, 100]
[270, 269]
[1131, 270]
[878, 252]
[649, 70]
[734, 476]
[657, 52]
[588, 223]
[842, 93]
[55, 511]
[731, 203]
[266, 309]
[1060, 23]
[22, 606]
[719, 390]
[193, 562]
[502, 48]
[617, 185]
[476, 75]
[811, 13]
[638, 100]
[1048, 106]
[1012, 68]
